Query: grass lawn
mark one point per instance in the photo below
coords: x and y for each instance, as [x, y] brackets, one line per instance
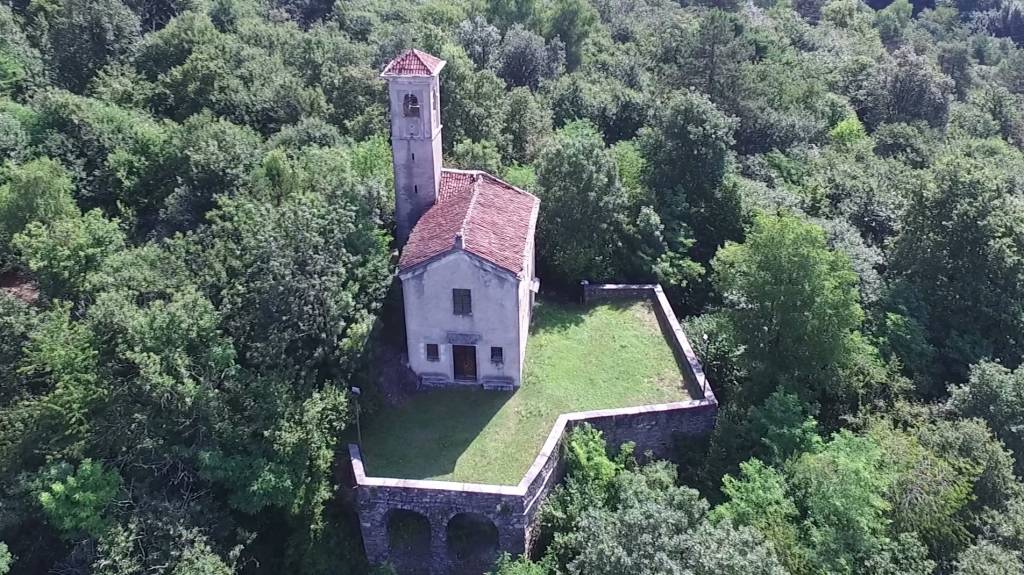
[577, 359]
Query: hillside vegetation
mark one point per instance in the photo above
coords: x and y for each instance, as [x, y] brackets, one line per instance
[196, 212]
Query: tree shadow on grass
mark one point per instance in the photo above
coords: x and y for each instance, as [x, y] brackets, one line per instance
[554, 315]
[427, 435]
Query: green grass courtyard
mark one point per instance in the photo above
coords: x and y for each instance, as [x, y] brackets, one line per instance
[578, 358]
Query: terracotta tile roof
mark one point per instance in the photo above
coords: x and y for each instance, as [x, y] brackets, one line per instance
[413, 63]
[496, 221]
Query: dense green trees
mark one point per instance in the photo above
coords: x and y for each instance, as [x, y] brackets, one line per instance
[593, 227]
[522, 59]
[37, 191]
[963, 241]
[907, 89]
[156, 398]
[882, 501]
[65, 252]
[213, 158]
[994, 394]
[200, 193]
[613, 516]
[84, 36]
[687, 153]
[21, 65]
[582, 226]
[76, 504]
[5, 559]
[299, 267]
[794, 309]
[571, 21]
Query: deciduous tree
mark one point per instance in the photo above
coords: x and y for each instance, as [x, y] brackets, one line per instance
[85, 35]
[299, 268]
[40, 190]
[960, 257]
[687, 154]
[64, 252]
[795, 306]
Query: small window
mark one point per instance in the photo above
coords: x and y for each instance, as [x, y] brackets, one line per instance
[497, 355]
[411, 106]
[415, 189]
[432, 352]
[462, 302]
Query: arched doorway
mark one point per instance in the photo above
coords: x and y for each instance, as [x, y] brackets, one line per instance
[408, 541]
[472, 543]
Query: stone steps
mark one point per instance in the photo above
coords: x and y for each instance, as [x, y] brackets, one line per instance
[428, 381]
[433, 381]
[497, 384]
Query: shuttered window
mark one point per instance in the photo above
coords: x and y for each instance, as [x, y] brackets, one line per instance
[462, 302]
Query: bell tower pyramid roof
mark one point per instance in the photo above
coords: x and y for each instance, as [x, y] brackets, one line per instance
[413, 63]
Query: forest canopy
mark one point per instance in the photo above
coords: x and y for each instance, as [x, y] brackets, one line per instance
[197, 255]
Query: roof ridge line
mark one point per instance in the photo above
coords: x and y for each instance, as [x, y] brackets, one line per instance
[516, 189]
[487, 174]
[469, 210]
[419, 56]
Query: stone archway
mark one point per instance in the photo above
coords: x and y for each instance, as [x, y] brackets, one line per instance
[472, 542]
[409, 541]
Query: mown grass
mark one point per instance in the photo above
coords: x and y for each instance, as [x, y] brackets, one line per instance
[577, 359]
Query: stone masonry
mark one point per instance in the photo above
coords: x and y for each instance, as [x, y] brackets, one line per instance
[513, 509]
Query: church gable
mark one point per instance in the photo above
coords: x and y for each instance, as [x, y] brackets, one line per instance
[462, 258]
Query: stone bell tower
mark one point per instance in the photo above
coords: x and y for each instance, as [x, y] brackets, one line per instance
[415, 135]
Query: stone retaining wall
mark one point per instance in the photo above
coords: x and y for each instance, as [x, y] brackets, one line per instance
[513, 509]
[439, 502]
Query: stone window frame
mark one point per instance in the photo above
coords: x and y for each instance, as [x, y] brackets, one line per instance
[497, 355]
[462, 301]
[433, 352]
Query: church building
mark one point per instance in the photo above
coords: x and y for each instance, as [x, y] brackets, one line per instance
[467, 241]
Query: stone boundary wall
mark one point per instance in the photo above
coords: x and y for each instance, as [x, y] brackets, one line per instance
[512, 509]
